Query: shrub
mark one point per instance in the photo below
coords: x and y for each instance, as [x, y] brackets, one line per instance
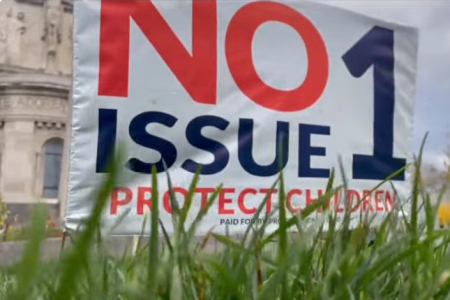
[12, 230]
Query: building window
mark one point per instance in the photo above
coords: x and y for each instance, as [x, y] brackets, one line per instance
[53, 153]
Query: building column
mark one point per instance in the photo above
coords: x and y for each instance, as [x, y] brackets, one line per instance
[18, 162]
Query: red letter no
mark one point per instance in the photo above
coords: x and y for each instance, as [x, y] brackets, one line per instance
[238, 47]
[197, 72]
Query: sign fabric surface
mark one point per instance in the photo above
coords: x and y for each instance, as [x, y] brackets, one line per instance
[242, 88]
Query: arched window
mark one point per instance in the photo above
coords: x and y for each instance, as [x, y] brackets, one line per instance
[53, 152]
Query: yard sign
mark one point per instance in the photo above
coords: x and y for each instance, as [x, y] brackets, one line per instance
[241, 88]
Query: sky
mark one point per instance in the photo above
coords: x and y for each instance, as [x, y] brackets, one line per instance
[432, 110]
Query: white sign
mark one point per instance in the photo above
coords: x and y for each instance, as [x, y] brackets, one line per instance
[237, 87]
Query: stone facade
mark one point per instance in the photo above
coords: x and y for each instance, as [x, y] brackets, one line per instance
[35, 70]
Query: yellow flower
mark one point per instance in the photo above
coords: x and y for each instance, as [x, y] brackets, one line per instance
[444, 214]
[444, 277]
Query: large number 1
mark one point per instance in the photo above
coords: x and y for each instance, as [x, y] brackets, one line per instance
[376, 49]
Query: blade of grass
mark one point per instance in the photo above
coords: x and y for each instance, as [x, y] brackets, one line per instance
[79, 256]
[152, 271]
[29, 266]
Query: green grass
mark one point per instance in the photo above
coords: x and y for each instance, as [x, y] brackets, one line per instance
[408, 260]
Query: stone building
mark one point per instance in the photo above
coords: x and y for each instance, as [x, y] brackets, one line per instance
[35, 82]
